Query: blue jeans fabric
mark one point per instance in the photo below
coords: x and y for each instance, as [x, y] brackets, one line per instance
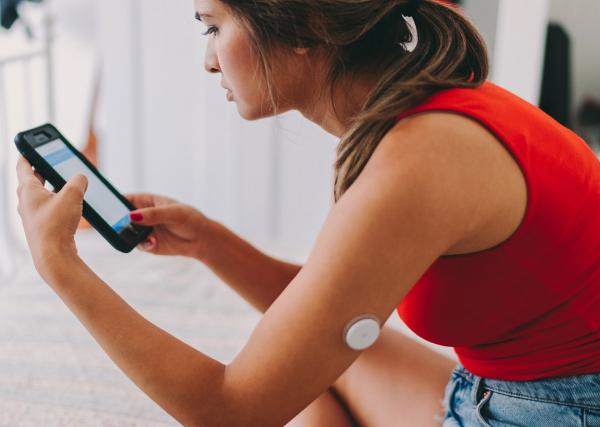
[472, 401]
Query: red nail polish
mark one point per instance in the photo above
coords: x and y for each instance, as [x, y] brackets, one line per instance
[136, 216]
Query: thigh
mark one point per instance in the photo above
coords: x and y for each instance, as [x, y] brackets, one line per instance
[325, 411]
[398, 381]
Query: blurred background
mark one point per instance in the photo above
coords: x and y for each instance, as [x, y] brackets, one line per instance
[124, 81]
[127, 78]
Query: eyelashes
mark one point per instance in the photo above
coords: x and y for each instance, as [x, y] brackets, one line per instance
[211, 30]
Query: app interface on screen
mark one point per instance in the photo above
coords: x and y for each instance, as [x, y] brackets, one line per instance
[98, 196]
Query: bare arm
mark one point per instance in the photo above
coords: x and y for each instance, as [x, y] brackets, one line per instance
[182, 230]
[255, 276]
[184, 382]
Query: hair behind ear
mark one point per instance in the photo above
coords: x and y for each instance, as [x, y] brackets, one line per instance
[450, 53]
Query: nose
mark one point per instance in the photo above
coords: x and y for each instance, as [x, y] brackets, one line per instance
[211, 61]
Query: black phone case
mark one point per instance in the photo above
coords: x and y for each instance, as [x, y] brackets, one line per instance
[124, 241]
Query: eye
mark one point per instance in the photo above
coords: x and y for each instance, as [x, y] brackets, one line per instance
[210, 29]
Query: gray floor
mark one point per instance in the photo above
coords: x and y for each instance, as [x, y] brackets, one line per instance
[53, 373]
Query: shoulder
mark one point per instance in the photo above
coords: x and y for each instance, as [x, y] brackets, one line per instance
[441, 135]
[456, 170]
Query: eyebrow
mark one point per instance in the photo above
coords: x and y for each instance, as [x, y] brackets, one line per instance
[199, 16]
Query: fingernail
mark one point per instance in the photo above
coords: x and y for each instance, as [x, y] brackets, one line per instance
[147, 244]
[136, 216]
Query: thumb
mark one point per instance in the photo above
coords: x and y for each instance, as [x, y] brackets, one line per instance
[75, 188]
[164, 214]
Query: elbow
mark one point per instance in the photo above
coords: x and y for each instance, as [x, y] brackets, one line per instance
[216, 417]
[223, 418]
[217, 410]
[230, 407]
[204, 405]
[232, 401]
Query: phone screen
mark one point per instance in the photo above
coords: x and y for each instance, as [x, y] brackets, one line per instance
[98, 196]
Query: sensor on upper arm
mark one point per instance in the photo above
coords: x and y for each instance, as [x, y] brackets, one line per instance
[362, 332]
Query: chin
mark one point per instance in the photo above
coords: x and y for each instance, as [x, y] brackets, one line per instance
[248, 113]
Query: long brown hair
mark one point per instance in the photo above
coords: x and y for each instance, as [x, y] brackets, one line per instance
[362, 35]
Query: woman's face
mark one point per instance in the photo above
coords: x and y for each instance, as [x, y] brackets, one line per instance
[229, 52]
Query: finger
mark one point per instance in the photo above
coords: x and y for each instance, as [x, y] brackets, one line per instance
[39, 177]
[75, 188]
[159, 215]
[24, 170]
[26, 176]
[149, 245]
[140, 200]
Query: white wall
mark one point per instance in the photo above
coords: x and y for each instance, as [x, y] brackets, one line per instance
[515, 32]
[304, 190]
[520, 43]
[484, 14]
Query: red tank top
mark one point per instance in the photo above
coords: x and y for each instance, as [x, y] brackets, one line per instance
[528, 308]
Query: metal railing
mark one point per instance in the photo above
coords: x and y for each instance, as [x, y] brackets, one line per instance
[11, 247]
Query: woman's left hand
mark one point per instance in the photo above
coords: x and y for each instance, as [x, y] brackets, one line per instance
[49, 219]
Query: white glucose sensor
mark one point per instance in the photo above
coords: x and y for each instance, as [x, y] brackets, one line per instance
[362, 332]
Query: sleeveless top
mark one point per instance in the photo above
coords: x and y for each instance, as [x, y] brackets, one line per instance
[528, 308]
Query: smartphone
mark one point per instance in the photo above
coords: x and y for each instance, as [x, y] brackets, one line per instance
[56, 160]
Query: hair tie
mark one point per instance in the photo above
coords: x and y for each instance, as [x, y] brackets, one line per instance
[411, 8]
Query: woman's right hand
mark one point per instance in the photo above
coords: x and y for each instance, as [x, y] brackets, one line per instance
[179, 229]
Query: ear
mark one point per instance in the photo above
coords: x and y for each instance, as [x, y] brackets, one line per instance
[301, 50]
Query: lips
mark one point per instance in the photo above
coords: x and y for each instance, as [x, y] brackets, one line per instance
[228, 92]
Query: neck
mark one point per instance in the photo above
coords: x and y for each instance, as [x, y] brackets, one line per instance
[349, 97]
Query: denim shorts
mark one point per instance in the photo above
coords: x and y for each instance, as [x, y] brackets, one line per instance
[471, 401]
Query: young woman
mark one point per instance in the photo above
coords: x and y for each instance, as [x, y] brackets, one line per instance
[465, 209]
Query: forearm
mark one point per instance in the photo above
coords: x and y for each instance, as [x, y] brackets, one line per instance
[257, 277]
[184, 382]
